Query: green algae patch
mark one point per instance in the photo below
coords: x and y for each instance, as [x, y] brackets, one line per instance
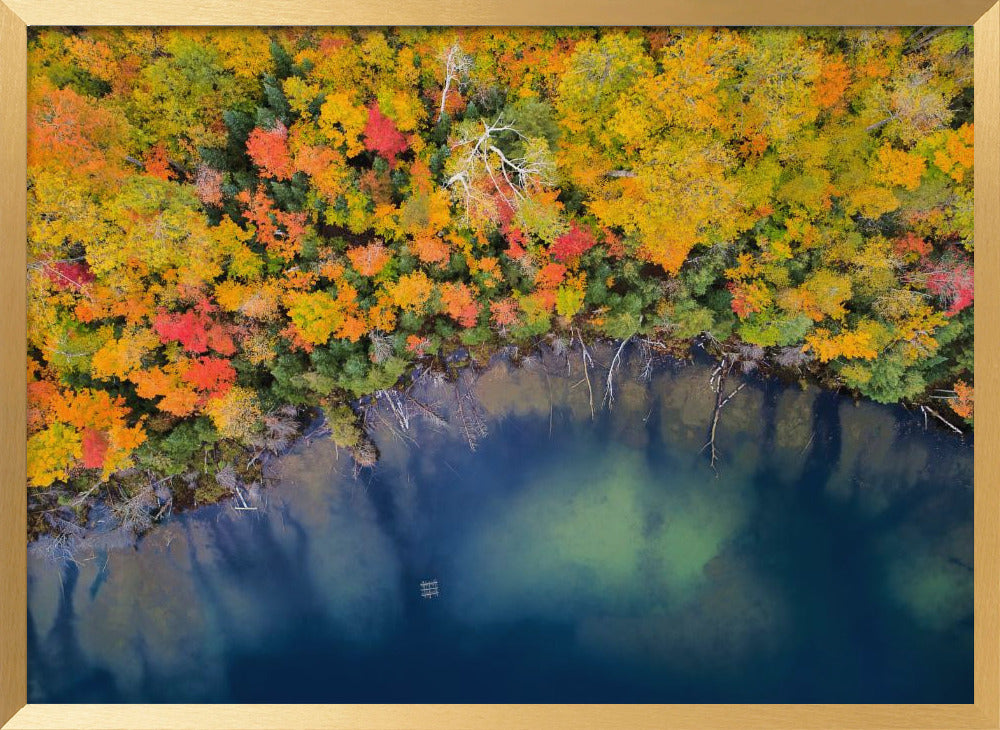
[603, 533]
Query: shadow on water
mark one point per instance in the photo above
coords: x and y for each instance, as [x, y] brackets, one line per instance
[60, 648]
[827, 553]
[578, 561]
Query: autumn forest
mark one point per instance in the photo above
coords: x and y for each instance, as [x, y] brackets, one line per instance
[231, 231]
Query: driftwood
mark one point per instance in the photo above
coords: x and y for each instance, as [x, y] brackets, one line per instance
[717, 383]
[471, 423]
[435, 418]
[927, 409]
[588, 361]
[609, 388]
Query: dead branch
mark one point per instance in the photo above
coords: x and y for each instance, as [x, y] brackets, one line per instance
[434, 417]
[717, 382]
[398, 407]
[471, 422]
[456, 64]
[588, 361]
[477, 158]
[609, 389]
[928, 409]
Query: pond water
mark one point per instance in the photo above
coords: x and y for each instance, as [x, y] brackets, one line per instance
[578, 559]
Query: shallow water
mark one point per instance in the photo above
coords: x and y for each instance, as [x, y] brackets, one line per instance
[578, 560]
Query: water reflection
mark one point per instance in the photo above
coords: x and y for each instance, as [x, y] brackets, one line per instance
[579, 559]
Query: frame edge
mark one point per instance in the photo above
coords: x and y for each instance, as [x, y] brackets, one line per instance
[495, 12]
[987, 224]
[13, 384]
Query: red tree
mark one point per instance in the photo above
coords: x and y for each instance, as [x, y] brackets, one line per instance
[951, 278]
[95, 447]
[382, 137]
[211, 374]
[66, 274]
[195, 331]
[570, 246]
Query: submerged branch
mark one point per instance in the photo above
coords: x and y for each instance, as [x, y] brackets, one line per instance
[587, 362]
[928, 409]
[609, 390]
[717, 382]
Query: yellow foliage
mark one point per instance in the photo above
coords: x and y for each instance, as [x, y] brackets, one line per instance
[236, 413]
[899, 168]
[412, 291]
[569, 296]
[118, 358]
[316, 315]
[51, 454]
[859, 343]
[342, 123]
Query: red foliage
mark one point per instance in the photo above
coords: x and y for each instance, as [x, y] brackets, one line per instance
[211, 374]
[382, 137]
[95, 447]
[66, 274]
[570, 246]
[911, 243]
[952, 279]
[516, 239]
[268, 148]
[195, 331]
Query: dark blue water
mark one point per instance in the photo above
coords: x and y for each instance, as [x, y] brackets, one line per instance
[578, 560]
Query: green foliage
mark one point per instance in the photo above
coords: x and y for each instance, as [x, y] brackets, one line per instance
[808, 189]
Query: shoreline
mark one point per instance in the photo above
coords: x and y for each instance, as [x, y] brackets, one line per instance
[243, 487]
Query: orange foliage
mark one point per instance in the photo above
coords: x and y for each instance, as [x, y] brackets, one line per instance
[281, 232]
[371, 259]
[505, 312]
[157, 163]
[459, 303]
[964, 400]
[431, 249]
[74, 133]
[832, 82]
[268, 148]
[550, 276]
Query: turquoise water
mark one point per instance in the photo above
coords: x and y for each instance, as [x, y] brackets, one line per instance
[578, 560]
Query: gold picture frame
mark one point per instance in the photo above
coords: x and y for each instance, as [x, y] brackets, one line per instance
[16, 15]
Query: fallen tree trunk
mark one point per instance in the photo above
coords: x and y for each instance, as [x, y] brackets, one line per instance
[717, 383]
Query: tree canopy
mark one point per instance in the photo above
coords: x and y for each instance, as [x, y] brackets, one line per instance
[223, 222]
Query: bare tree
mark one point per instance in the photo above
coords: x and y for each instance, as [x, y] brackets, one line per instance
[588, 362]
[456, 66]
[383, 346]
[280, 427]
[399, 407]
[793, 357]
[134, 513]
[477, 158]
